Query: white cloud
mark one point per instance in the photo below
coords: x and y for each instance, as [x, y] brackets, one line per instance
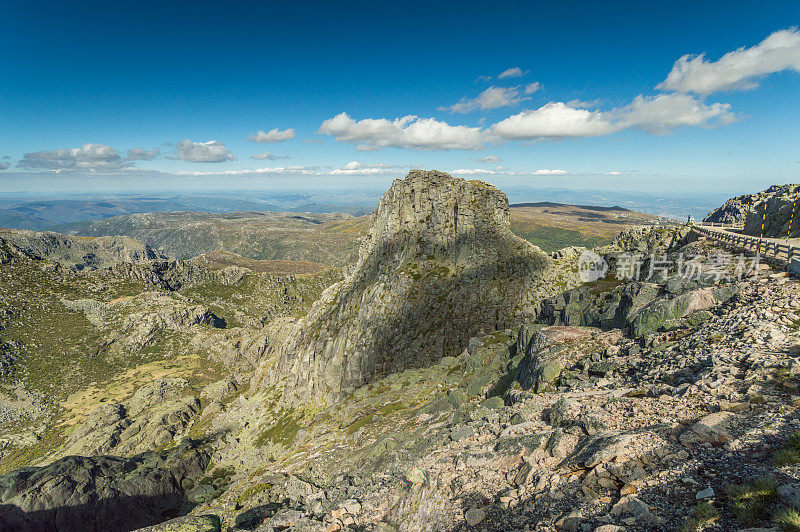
[739, 69]
[406, 132]
[203, 152]
[472, 171]
[530, 88]
[357, 168]
[4, 165]
[501, 170]
[273, 135]
[515, 72]
[138, 154]
[489, 159]
[491, 98]
[553, 120]
[613, 173]
[658, 114]
[664, 112]
[546, 171]
[277, 170]
[88, 157]
[268, 156]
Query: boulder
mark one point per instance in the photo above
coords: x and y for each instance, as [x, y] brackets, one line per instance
[102, 493]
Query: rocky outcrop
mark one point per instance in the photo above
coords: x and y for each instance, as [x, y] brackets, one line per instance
[78, 253]
[176, 274]
[652, 239]
[640, 307]
[438, 266]
[102, 493]
[748, 209]
[779, 202]
[155, 416]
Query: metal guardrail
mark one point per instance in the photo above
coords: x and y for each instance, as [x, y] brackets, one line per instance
[715, 224]
[768, 248]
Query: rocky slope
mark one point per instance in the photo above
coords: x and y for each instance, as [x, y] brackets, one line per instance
[550, 427]
[749, 210]
[438, 266]
[74, 252]
[666, 402]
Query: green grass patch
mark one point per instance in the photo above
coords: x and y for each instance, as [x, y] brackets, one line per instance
[788, 520]
[704, 514]
[790, 452]
[282, 432]
[750, 502]
[253, 490]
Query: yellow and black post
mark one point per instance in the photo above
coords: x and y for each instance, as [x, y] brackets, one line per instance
[791, 218]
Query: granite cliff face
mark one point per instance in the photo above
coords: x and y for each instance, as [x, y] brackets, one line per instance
[749, 210]
[438, 266]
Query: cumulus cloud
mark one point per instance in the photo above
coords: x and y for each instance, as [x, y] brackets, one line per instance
[90, 157]
[268, 156]
[553, 120]
[406, 132]
[273, 135]
[138, 154]
[4, 165]
[662, 113]
[489, 159]
[739, 69]
[613, 172]
[659, 115]
[514, 72]
[203, 152]
[492, 98]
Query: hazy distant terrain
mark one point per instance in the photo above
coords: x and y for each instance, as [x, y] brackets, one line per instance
[54, 213]
[42, 213]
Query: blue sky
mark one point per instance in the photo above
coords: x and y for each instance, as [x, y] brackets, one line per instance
[141, 96]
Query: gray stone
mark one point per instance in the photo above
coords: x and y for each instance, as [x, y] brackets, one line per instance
[474, 516]
[705, 494]
[462, 432]
[790, 494]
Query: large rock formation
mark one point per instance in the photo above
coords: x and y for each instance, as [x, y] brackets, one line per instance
[749, 210]
[75, 252]
[438, 266]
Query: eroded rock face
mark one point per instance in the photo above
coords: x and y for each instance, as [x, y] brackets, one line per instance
[439, 266]
[749, 209]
